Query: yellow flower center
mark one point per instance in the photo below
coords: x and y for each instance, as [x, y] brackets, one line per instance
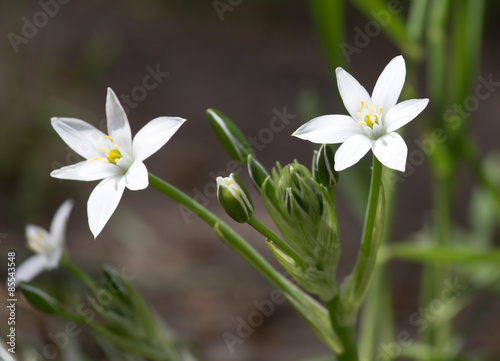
[368, 115]
[112, 155]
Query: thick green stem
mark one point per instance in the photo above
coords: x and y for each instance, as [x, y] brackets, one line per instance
[371, 210]
[356, 285]
[266, 232]
[345, 332]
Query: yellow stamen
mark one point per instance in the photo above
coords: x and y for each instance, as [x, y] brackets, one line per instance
[380, 111]
[108, 137]
[93, 159]
[362, 105]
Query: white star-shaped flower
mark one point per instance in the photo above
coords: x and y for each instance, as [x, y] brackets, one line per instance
[114, 158]
[372, 122]
[48, 246]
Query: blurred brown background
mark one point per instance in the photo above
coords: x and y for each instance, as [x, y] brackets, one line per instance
[251, 62]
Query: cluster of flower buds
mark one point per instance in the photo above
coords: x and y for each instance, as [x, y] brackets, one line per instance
[300, 203]
[306, 217]
[117, 313]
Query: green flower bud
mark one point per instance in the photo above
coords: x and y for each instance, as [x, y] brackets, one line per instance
[257, 172]
[325, 166]
[40, 299]
[231, 137]
[234, 198]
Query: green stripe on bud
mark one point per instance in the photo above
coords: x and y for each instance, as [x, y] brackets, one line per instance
[231, 137]
[234, 198]
[325, 166]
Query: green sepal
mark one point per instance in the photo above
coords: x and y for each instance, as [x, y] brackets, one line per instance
[230, 136]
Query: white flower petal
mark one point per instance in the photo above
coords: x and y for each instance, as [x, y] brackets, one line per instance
[118, 125]
[54, 258]
[389, 84]
[351, 92]
[31, 268]
[403, 113]
[136, 177]
[59, 222]
[391, 151]
[328, 129]
[103, 201]
[351, 151]
[82, 137]
[154, 135]
[87, 171]
[38, 239]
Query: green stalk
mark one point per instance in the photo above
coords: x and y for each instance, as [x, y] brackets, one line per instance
[236, 242]
[345, 332]
[356, 285]
[438, 333]
[78, 273]
[371, 210]
[416, 19]
[266, 232]
[329, 18]
[438, 48]
[309, 309]
[376, 330]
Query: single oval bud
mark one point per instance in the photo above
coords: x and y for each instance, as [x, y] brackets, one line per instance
[234, 198]
[325, 166]
[40, 299]
[257, 172]
[231, 137]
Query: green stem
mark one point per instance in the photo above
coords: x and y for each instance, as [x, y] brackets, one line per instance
[439, 333]
[78, 273]
[376, 330]
[345, 332]
[266, 232]
[371, 210]
[356, 285]
[308, 308]
[235, 241]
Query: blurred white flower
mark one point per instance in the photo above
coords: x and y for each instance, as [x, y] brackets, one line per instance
[48, 246]
[372, 122]
[114, 158]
